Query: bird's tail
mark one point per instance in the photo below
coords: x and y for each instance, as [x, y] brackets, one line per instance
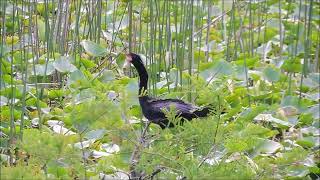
[203, 112]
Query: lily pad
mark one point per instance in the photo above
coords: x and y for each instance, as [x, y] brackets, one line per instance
[84, 144]
[99, 154]
[95, 134]
[42, 70]
[268, 146]
[93, 49]
[85, 95]
[110, 148]
[107, 76]
[314, 110]
[269, 118]
[59, 129]
[271, 74]
[63, 65]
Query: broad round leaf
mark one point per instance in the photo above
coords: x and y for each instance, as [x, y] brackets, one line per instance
[42, 70]
[63, 65]
[93, 49]
[271, 74]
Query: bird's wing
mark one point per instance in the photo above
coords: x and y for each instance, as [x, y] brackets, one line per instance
[158, 105]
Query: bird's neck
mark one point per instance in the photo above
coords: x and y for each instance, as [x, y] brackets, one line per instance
[143, 76]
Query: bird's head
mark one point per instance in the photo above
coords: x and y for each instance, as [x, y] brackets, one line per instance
[132, 58]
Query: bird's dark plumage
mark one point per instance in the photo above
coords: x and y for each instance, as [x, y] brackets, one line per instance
[153, 109]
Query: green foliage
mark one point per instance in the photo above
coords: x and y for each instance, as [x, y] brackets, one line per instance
[5, 114]
[271, 74]
[22, 172]
[44, 147]
[93, 49]
[61, 64]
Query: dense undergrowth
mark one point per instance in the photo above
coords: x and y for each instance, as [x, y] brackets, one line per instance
[68, 110]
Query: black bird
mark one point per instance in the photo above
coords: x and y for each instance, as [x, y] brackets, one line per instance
[153, 109]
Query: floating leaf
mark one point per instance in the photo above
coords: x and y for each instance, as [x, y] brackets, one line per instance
[95, 134]
[107, 76]
[287, 111]
[268, 146]
[99, 154]
[311, 130]
[85, 95]
[75, 76]
[313, 96]
[269, 118]
[41, 69]
[297, 171]
[312, 81]
[309, 141]
[93, 49]
[84, 144]
[314, 110]
[110, 148]
[115, 176]
[219, 68]
[160, 84]
[271, 74]
[293, 101]
[59, 129]
[51, 123]
[35, 122]
[63, 65]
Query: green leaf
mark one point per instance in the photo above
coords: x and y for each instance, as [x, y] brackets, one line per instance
[107, 76]
[5, 113]
[93, 49]
[87, 63]
[218, 68]
[314, 110]
[268, 146]
[55, 93]
[269, 118]
[33, 102]
[76, 76]
[250, 62]
[40, 69]
[308, 142]
[95, 134]
[85, 95]
[257, 130]
[63, 65]
[293, 101]
[306, 119]
[271, 74]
